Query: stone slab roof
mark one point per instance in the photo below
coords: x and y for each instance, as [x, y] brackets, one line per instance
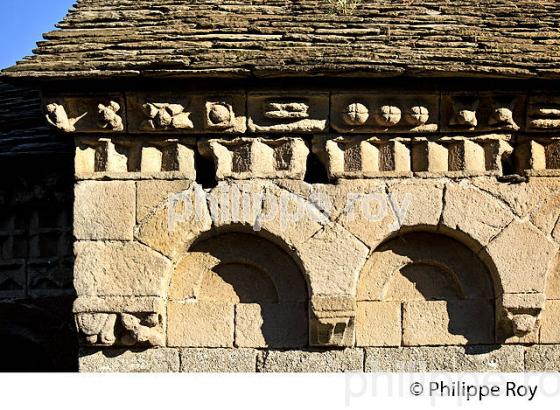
[267, 38]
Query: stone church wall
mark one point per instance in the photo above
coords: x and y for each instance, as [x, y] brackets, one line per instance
[314, 231]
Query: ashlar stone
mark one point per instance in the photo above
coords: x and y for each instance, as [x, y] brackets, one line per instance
[522, 256]
[119, 269]
[448, 322]
[271, 325]
[378, 324]
[200, 324]
[104, 210]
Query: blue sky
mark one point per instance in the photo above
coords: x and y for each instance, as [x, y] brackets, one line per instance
[23, 21]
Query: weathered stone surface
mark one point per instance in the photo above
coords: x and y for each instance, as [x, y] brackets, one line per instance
[519, 314]
[290, 217]
[332, 320]
[523, 197]
[172, 228]
[119, 269]
[218, 360]
[122, 304]
[378, 324]
[362, 157]
[124, 361]
[475, 213]
[547, 215]
[417, 202]
[200, 324]
[153, 193]
[445, 359]
[466, 156]
[448, 322]
[271, 325]
[237, 202]
[333, 259]
[368, 112]
[542, 358]
[245, 158]
[430, 157]
[522, 256]
[104, 210]
[226, 268]
[364, 208]
[372, 213]
[300, 361]
[424, 266]
[552, 289]
[300, 111]
[550, 318]
[119, 158]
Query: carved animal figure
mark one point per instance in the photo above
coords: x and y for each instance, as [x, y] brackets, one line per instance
[108, 117]
[57, 117]
[164, 116]
[465, 112]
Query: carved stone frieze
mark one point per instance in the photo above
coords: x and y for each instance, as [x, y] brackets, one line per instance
[367, 113]
[372, 157]
[103, 113]
[135, 158]
[166, 116]
[543, 113]
[189, 113]
[58, 118]
[304, 111]
[109, 117]
[127, 329]
[244, 158]
[482, 112]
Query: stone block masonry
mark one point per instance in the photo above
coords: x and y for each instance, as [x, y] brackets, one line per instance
[431, 234]
[288, 186]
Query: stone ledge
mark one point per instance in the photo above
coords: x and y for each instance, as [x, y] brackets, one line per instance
[219, 360]
[448, 358]
[542, 358]
[296, 361]
[480, 358]
[125, 361]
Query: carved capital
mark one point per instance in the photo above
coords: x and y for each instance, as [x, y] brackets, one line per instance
[522, 312]
[128, 329]
[97, 328]
[332, 321]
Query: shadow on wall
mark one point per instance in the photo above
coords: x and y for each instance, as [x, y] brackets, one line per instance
[255, 280]
[446, 293]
